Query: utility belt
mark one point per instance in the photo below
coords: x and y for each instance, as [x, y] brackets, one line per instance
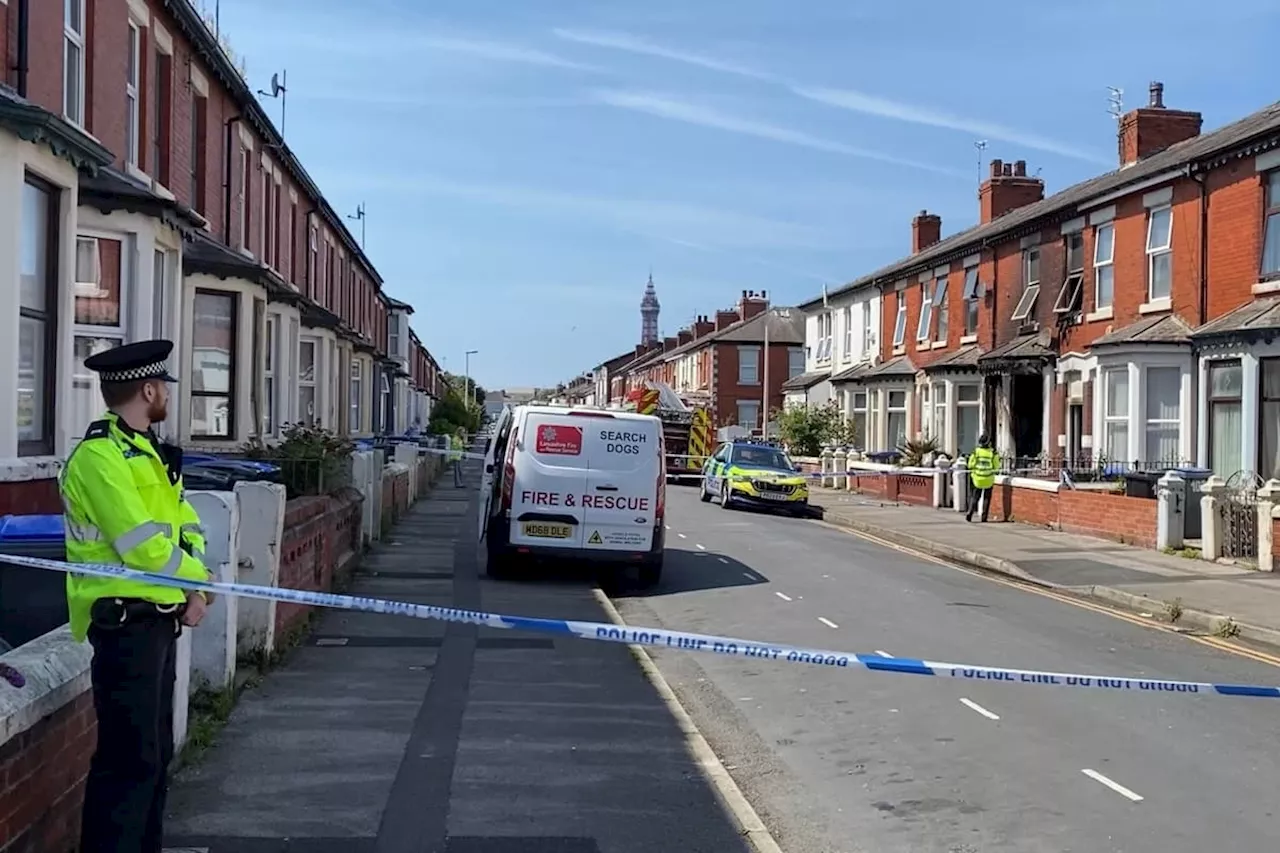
[111, 613]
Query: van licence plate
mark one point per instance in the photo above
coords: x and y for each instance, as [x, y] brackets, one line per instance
[542, 530]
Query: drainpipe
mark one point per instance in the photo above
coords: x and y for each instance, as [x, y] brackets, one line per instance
[1201, 181]
[24, 26]
[227, 161]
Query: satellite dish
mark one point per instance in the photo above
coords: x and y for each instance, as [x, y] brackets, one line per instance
[276, 87]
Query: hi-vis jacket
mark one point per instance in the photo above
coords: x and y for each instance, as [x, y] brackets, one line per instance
[455, 447]
[983, 462]
[124, 505]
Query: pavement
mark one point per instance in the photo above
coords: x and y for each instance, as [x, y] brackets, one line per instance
[391, 735]
[843, 761]
[1215, 598]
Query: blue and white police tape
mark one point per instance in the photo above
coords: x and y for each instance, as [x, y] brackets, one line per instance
[662, 638]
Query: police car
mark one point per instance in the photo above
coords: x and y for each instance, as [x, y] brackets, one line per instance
[754, 474]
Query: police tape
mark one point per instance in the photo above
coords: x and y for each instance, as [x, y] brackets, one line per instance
[663, 638]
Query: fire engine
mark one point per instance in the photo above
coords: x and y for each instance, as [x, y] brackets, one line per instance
[686, 429]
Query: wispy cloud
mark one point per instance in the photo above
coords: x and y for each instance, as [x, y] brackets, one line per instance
[637, 45]
[497, 51]
[674, 109]
[847, 99]
[400, 99]
[696, 223]
[391, 43]
[861, 102]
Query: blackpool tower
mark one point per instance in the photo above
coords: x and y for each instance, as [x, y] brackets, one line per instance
[649, 309]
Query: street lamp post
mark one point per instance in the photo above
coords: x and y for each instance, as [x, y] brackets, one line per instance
[467, 374]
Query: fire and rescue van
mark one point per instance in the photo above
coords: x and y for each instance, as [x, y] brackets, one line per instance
[576, 483]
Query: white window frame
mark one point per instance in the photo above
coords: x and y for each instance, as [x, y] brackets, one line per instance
[975, 403]
[794, 355]
[970, 291]
[938, 417]
[1031, 284]
[1159, 251]
[355, 384]
[1148, 423]
[383, 395]
[1104, 268]
[941, 304]
[1270, 260]
[926, 311]
[73, 30]
[754, 405]
[265, 225]
[865, 337]
[270, 362]
[243, 195]
[1111, 419]
[119, 333]
[900, 322]
[890, 410]
[864, 410]
[1069, 297]
[752, 352]
[847, 355]
[393, 333]
[133, 95]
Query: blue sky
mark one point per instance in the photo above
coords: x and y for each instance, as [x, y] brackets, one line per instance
[525, 164]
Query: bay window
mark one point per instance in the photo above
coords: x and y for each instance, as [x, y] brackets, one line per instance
[98, 315]
[968, 415]
[1115, 429]
[355, 391]
[1164, 423]
[1269, 420]
[213, 364]
[896, 419]
[1226, 386]
[269, 378]
[939, 414]
[858, 419]
[37, 313]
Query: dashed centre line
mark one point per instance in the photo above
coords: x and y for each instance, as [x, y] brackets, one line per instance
[746, 575]
[825, 621]
[702, 547]
[1113, 785]
[724, 560]
[974, 706]
[883, 653]
[682, 536]
[783, 596]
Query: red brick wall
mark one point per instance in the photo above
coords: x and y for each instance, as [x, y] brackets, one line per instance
[1275, 538]
[30, 497]
[728, 392]
[876, 484]
[1235, 231]
[1109, 516]
[915, 489]
[1030, 506]
[319, 534]
[42, 772]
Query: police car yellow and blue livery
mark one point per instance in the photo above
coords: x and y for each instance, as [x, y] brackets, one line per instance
[754, 474]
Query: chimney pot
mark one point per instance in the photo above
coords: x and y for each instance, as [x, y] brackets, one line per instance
[763, 294]
[997, 168]
[1020, 168]
[1156, 91]
[1008, 170]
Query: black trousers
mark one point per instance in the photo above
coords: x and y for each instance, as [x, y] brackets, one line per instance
[975, 495]
[133, 671]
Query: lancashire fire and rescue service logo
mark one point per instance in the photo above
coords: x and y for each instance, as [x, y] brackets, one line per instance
[559, 440]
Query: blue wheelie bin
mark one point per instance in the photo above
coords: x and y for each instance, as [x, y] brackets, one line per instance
[32, 601]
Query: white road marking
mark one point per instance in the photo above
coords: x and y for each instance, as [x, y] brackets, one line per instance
[1115, 786]
[668, 526]
[883, 653]
[682, 536]
[783, 597]
[825, 621]
[702, 547]
[974, 706]
[724, 560]
[747, 575]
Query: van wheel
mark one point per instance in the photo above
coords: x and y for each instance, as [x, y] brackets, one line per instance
[498, 564]
[651, 572]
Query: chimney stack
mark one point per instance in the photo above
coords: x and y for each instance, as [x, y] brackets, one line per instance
[1007, 189]
[703, 326]
[751, 304]
[684, 336]
[724, 319]
[926, 229]
[1151, 129]
[668, 344]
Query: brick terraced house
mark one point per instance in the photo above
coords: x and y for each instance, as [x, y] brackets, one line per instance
[1133, 318]
[145, 193]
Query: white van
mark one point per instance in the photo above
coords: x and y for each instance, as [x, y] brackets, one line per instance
[575, 483]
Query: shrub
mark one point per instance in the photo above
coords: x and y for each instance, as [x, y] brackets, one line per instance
[312, 459]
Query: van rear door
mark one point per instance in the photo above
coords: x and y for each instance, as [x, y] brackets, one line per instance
[625, 467]
[551, 477]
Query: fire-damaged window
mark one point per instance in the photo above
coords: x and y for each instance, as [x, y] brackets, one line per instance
[1069, 297]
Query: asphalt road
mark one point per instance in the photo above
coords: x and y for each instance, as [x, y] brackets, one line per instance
[847, 760]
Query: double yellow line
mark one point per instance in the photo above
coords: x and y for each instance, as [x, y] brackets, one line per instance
[1212, 642]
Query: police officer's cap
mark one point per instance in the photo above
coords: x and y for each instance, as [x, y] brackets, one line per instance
[133, 362]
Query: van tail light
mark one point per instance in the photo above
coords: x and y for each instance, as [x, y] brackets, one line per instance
[509, 470]
[661, 511]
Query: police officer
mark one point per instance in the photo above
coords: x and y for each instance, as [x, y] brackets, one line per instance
[983, 464]
[122, 493]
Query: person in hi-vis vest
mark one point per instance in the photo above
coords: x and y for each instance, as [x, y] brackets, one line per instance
[983, 464]
[124, 505]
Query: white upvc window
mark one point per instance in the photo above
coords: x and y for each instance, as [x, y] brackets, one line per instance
[939, 430]
[269, 378]
[393, 333]
[824, 337]
[795, 362]
[355, 390]
[1164, 416]
[847, 355]
[1159, 253]
[858, 419]
[900, 322]
[749, 413]
[132, 94]
[383, 398]
[748, 365]
[242, 193]
[968, 416]
[1271, 228]
[971, 294]
[1116, 414]
[1104, 272]
[73, 30]
[926, 311]
[1068, 301]
[865, 334]
[896, 419]
[102, 273]
[940, 309]
[1030, 284]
